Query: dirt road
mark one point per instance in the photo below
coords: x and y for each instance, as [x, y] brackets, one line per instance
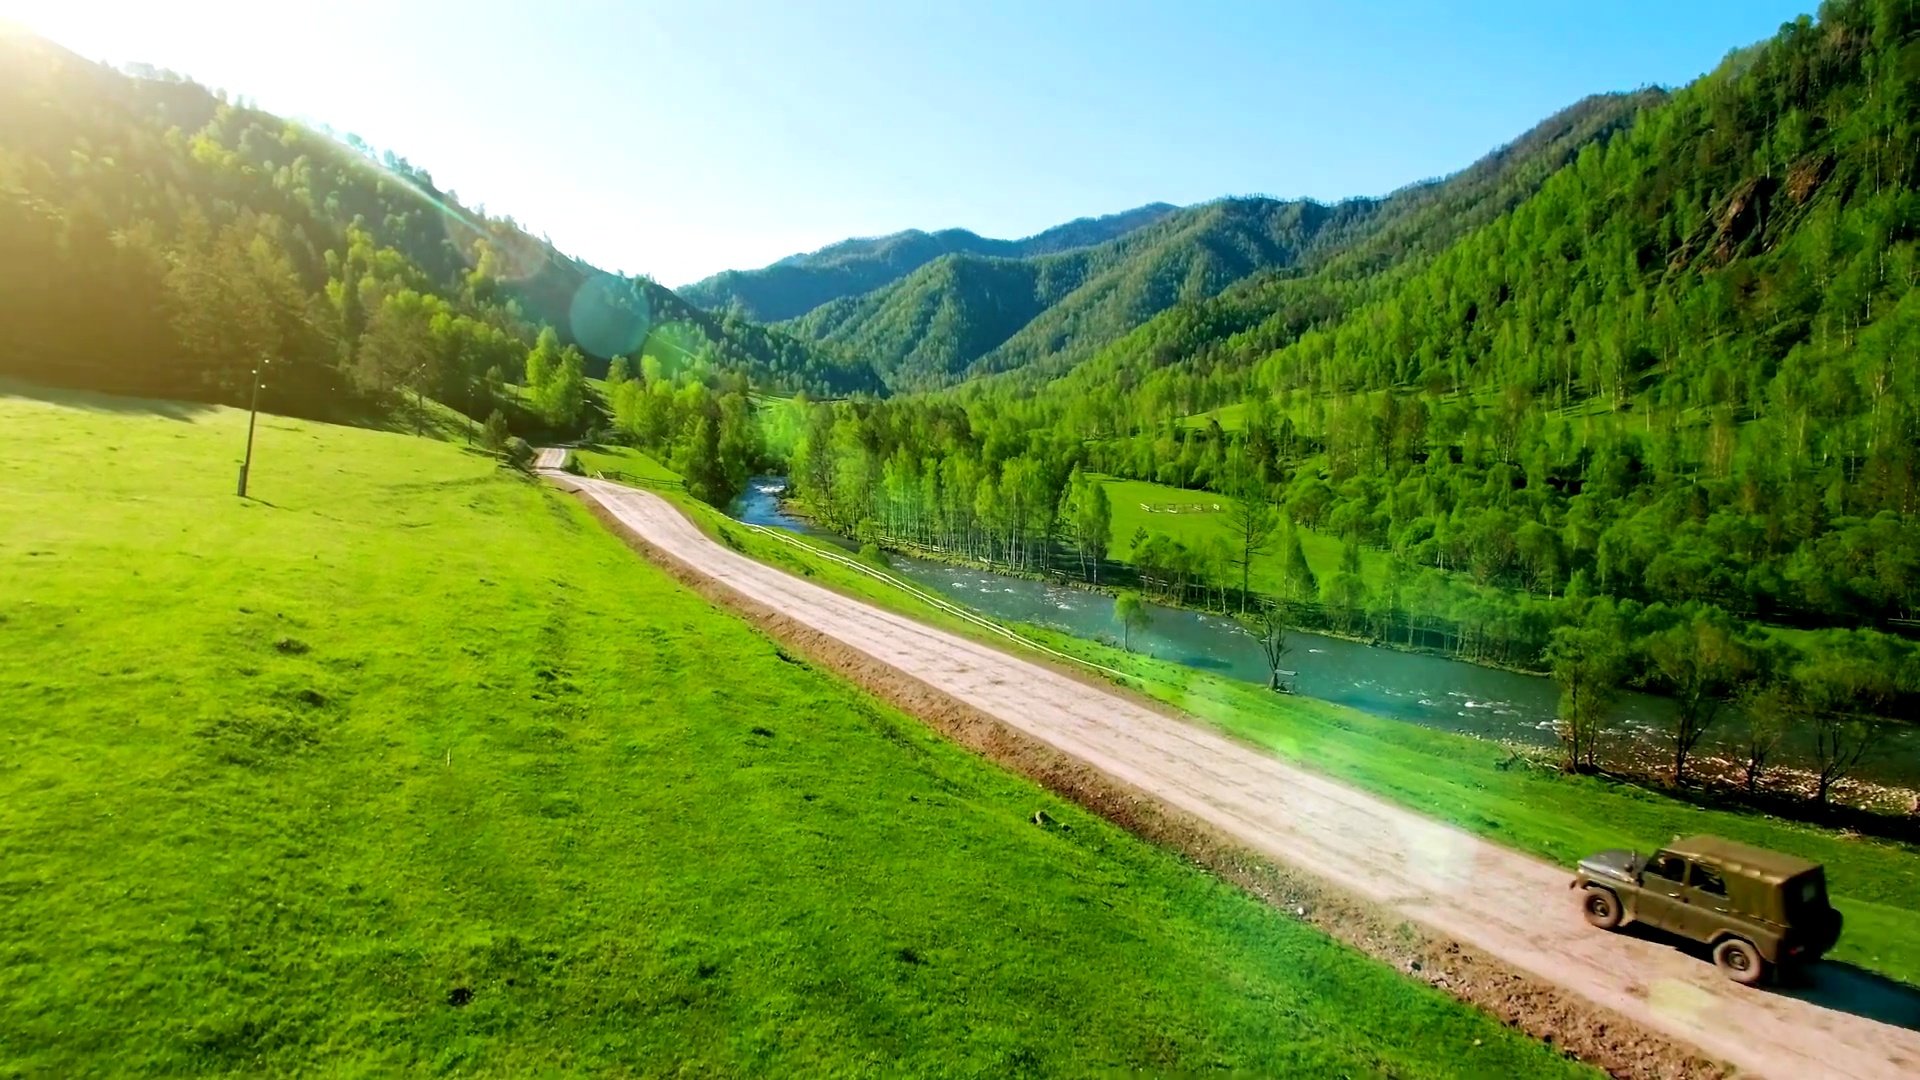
[1517, 908]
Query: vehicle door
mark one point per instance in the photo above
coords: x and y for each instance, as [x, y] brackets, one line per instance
[1705, 908]
[1662, 900]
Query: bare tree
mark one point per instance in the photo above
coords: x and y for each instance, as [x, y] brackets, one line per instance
[1250, 522]
[1835, 695]
[1587, 664]
[1766, 707]
[1132, 613]
[1840, 743]
[1701, 659]
[1268, 625]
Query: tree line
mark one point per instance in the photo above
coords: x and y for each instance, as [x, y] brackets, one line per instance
[1483, 586]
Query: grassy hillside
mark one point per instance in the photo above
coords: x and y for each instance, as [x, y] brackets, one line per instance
[628, 465]
[1197, 518]
[1456, 778]
[409, 765]
[162, 238]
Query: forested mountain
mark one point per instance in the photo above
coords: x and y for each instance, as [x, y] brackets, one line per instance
[799, 283]
[963, 316]
[938, 323]
[1652, 389]
[161, 239]
[1255, 315]
[1687, 358]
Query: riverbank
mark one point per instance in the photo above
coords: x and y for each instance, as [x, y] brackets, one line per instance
[1515, 709]
[796, 510]
[1855, 805]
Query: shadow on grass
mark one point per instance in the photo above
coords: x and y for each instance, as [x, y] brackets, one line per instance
[1830, 984]
[94, 401]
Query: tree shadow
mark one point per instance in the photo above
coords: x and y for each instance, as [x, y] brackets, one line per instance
[1709, 795]
[95, 401]
[1830, 984]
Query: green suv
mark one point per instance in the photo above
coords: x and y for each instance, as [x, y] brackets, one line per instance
[1755, 909]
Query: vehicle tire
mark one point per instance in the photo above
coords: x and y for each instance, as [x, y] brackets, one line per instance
[1738, 960]
[1601, 907]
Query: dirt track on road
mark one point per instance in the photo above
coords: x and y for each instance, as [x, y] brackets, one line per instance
[1842, 1022]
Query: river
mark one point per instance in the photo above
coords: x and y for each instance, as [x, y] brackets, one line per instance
[1432, 691]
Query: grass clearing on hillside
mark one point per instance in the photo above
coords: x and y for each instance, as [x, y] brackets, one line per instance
[1188, 516]
[1585, 416]
[1230, 417]
[627, 462]
[1460, 779]
[410, 765]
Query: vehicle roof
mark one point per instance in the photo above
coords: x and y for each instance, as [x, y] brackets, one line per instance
[1739, 858]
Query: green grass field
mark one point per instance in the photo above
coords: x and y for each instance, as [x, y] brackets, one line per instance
[1462, 780]
[626, 461]
[1231, 417]
[1189, 517]
[409, 765]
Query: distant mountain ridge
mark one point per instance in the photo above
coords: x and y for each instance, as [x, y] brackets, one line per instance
[967, 314]
[1396, 235]
[937, 324]
[799, 283]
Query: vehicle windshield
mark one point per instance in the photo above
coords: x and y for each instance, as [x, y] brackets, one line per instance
[1667, 865]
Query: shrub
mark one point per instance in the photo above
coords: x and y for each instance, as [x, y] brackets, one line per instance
[519, 453]
[494, 432]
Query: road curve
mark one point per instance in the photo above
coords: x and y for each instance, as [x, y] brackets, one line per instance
[1515, 907]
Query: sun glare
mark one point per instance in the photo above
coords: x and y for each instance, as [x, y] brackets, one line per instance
[181, 36]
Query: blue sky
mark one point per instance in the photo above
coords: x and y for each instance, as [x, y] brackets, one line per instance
[685, 138]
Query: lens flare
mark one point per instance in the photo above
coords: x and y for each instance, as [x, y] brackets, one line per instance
[507, 255]
[1679, 1000]
[1437, 857]
[610, 316]
[678, 346]
[502, 254]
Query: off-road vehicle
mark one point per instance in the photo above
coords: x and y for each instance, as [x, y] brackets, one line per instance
[1756, 909]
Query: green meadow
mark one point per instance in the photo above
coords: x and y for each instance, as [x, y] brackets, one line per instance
[406, 764]
[1195, 517]
[626, 463]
